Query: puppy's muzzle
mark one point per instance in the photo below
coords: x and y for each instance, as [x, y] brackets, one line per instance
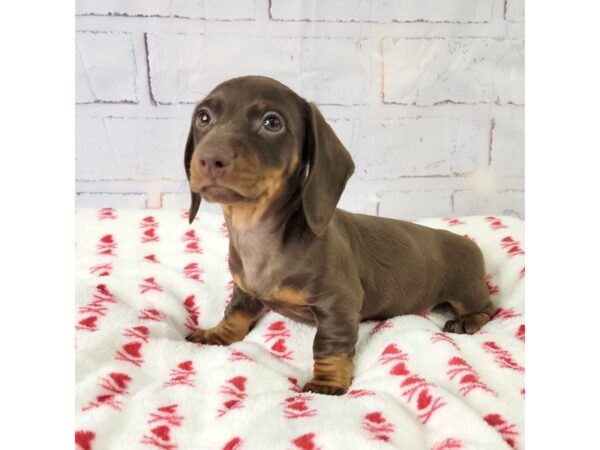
[214, 162]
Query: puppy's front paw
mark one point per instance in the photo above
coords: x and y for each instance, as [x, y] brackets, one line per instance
[317, 388]
[198, 336]
[205, 337]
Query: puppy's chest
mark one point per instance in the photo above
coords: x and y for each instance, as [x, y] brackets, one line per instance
[263, 277]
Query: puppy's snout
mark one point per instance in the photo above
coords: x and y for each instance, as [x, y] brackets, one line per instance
[213, 164]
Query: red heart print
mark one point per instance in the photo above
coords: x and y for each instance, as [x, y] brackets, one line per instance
[107, 239]
[305, 442]
[186, 365]
[105, 398]
[142, 330]
[375, 417]
[162, 432]
[298, 406]
[149, 219]
[279, 346]
[153, 312]
[469, 378]
[234, 444]
[120, 379]
[84, 439]
[133, 349]
[239, 382]
[171, 409]
[189, 302]
[399, 369]
[230, 403]
[521, 332]
[191, 234]
[494, 419]
[424, 399]
[192, 246]
[89, 322]
[149, 232]
[277, 326]
[456, 361]
[391, 349]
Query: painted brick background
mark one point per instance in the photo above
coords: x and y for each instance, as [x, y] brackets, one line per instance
[426, 94]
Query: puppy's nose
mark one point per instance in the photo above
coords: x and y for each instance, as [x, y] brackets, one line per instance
[214, 166]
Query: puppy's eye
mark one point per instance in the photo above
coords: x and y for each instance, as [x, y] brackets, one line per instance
[272, 123]
[203, 119]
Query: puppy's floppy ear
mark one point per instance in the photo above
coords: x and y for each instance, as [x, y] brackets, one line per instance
[189, 150]
[330, 167]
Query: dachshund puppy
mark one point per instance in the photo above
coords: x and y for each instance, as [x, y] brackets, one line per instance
[278, 170]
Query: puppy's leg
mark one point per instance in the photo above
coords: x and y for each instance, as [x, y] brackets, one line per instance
[474, 312]
[242, 312]
[333, 350]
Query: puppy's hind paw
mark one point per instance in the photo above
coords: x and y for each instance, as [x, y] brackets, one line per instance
[453, 326]
[468, 324]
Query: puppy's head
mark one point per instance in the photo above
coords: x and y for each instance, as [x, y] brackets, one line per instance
[252, 138]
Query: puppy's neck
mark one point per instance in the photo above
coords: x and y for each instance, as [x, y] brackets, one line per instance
[257, 259]
[261, 221]
[268, 218]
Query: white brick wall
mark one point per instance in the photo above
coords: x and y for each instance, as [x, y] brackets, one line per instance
[464, 70]
[105, 68]
[383, 10]
[426, 94]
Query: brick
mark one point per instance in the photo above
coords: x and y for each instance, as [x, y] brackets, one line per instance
[105, 68]
[207, 9]
[416, 204]
[104, 200]
[357, 200]
[186, 67]
[146, 8]
[320, 63]
[383, 10]
[424, 146]
[456, 70]
[470, 203]
[515, 10]
[215, 9]
[117, 148]
[508, 142]
[343, 128]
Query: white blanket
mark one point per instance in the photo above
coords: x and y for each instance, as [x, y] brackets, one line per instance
[146, 278]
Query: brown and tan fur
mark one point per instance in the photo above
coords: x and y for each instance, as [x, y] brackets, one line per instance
[292, 251]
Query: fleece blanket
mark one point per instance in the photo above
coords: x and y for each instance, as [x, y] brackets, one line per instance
[146, 279]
